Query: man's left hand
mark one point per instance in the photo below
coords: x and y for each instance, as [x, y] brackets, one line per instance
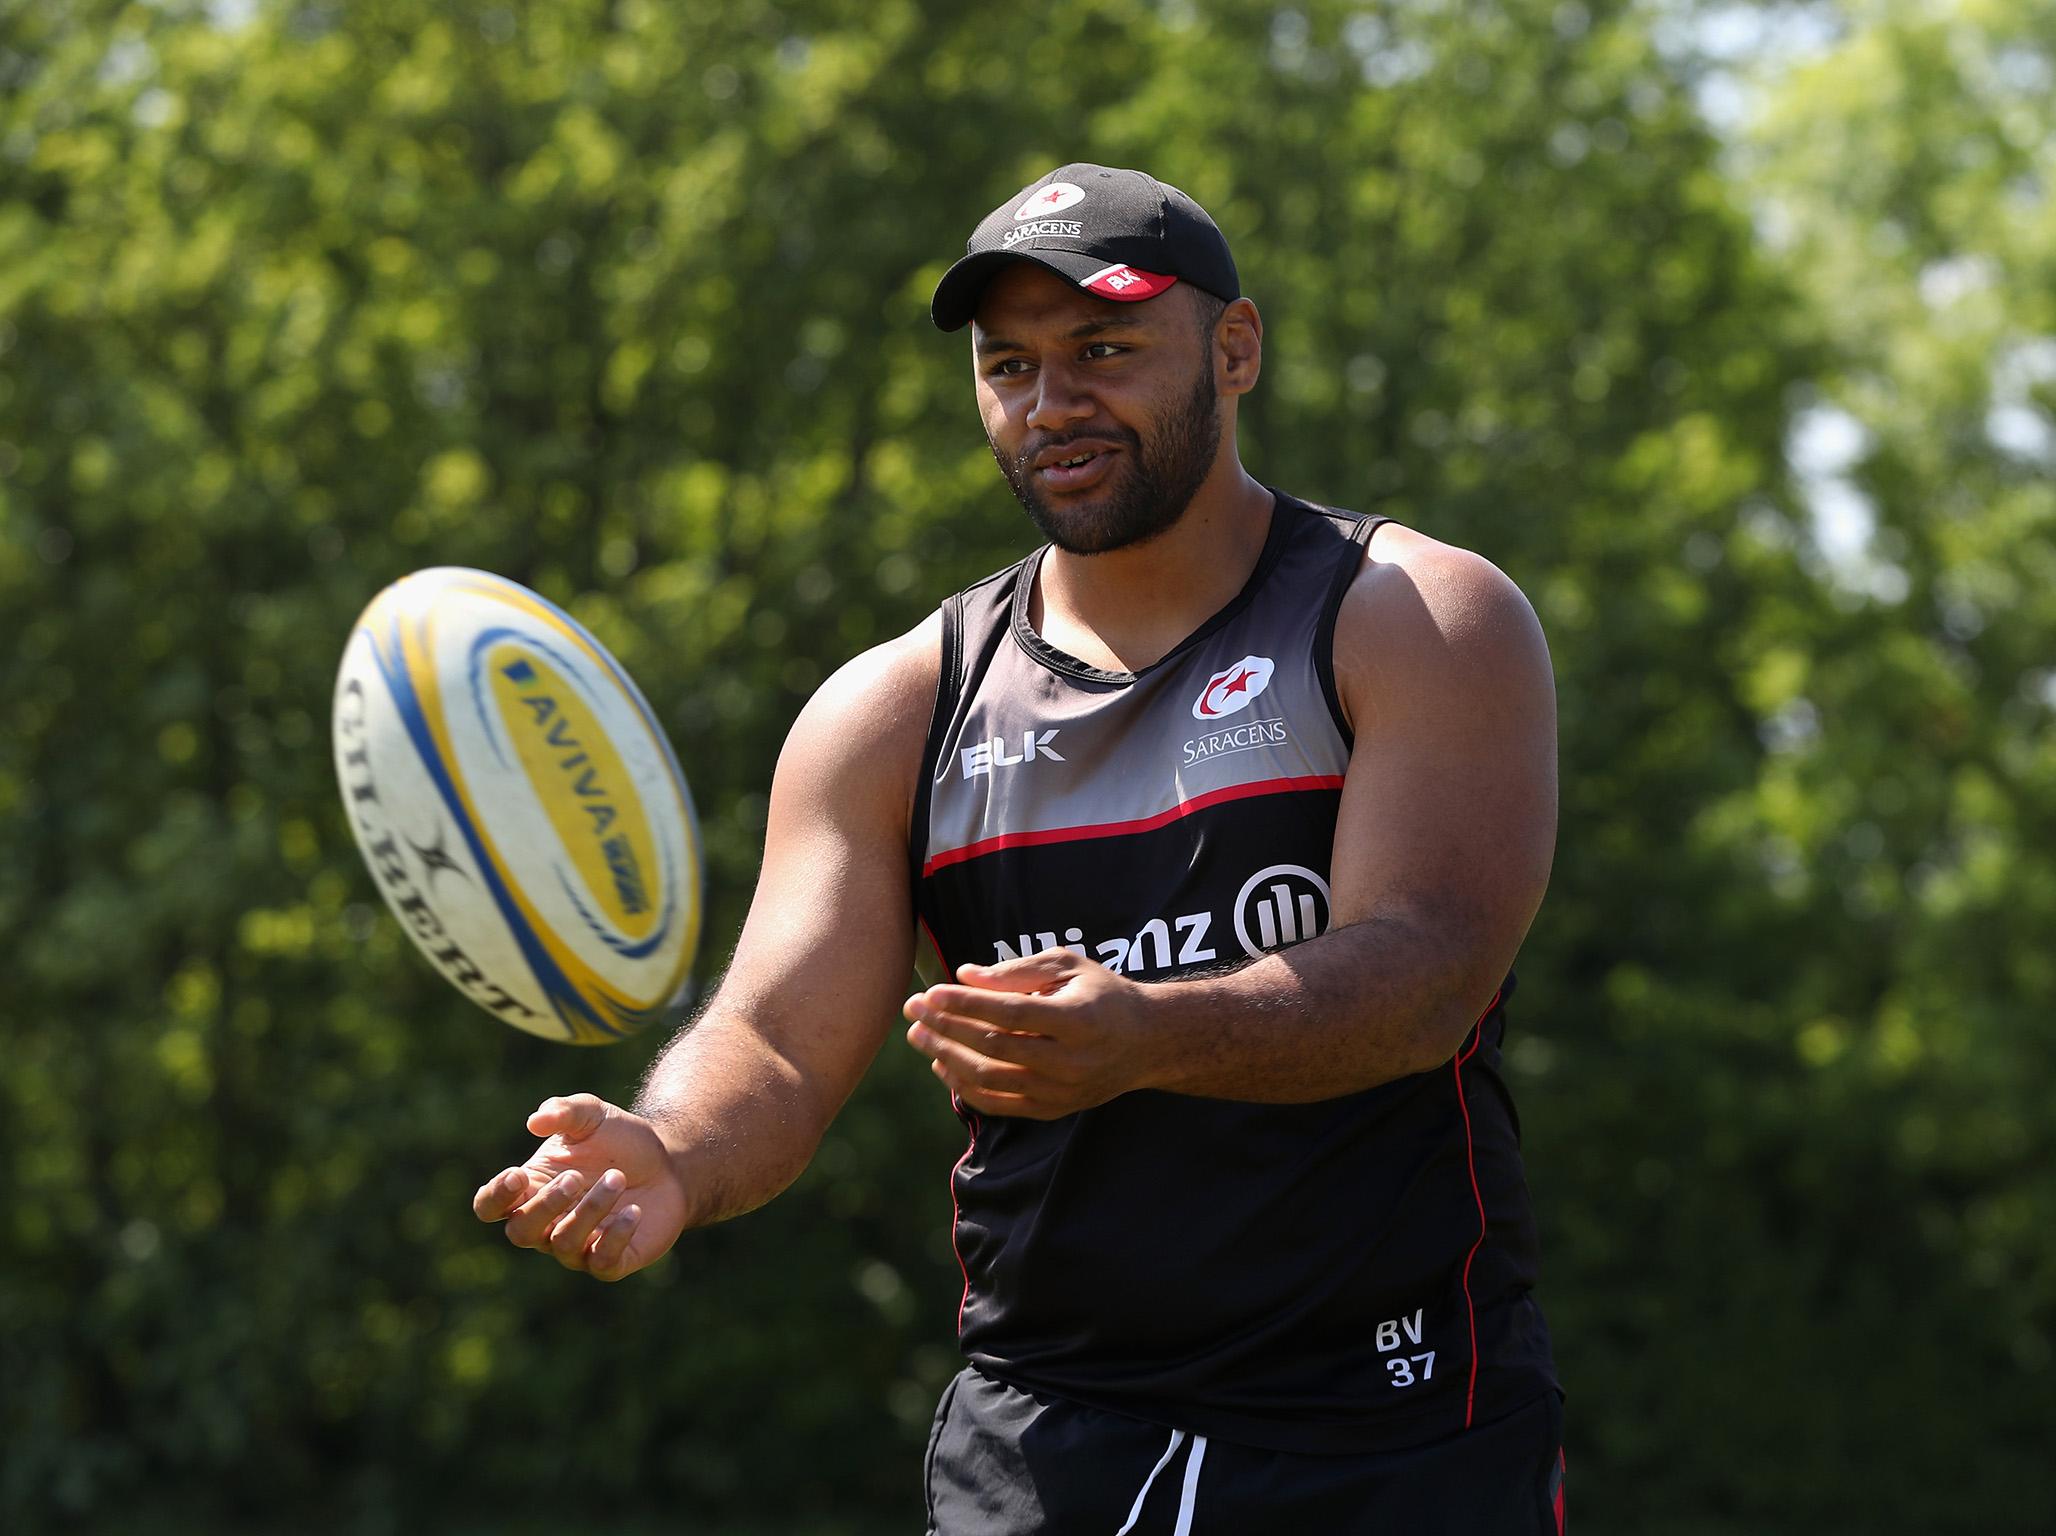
[1040, 1037]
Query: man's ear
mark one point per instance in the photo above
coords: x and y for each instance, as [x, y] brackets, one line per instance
[1238, 348]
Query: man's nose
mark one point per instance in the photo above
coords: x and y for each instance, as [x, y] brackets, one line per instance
[1059, 400]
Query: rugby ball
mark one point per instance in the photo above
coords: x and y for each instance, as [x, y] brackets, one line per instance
[518, 805]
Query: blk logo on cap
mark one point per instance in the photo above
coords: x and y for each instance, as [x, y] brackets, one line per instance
[1054, 198]
[1126, 283]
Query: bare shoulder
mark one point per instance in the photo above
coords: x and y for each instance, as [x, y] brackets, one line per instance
[1431, 624]
[864, 728]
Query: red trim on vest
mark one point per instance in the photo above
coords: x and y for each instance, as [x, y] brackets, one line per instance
[949, 972]
[1470, 1157]
[971, 1122]
[956, 1212]
[1563, 1473]
[1127, 828]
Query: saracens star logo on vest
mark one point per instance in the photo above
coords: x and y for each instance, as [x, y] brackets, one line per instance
[1233, 688]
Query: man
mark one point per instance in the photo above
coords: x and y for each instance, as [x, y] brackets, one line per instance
[1226, 814]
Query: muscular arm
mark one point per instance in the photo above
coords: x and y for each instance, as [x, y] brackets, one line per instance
[1442, 850]
[1442, 846]
[742, 1096]
[734, 1106]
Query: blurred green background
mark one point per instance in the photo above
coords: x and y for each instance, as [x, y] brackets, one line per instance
[1729, 332]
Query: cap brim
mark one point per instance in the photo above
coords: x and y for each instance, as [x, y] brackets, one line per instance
[963, 285]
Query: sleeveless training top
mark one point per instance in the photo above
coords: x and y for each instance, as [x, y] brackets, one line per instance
[1346, 1275]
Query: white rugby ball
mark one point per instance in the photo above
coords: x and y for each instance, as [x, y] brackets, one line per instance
[519, 807]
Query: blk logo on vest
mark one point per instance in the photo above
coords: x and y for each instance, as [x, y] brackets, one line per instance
[989, 756]
[1278, 906]
[1233, 688]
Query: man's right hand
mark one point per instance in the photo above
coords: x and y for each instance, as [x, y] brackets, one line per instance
[601, 1193]
[806, 1001]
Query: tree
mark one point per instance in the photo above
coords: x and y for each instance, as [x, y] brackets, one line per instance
[628, 302]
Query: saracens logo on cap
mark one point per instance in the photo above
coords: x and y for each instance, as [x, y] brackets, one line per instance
[1044, 201]
[1233, 688]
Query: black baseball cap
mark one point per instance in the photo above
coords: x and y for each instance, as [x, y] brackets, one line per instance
[1121, 234]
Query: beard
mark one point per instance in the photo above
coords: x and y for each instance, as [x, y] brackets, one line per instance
[1147, 492]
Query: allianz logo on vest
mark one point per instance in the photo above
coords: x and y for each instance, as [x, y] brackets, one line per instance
[1278, 905]
[989, 756]
[1284, 904]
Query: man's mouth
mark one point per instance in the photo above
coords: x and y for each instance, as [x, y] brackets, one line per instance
[1080, 467]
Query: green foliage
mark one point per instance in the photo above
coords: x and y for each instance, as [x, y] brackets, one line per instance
[627, 302]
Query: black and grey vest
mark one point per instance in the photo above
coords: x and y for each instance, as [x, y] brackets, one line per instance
[1352, 1274]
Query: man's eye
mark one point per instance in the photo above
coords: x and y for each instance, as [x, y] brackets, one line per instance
[1010, 366]
[1104, 349]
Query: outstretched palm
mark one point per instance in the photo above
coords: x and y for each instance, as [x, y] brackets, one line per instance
[600, 1194]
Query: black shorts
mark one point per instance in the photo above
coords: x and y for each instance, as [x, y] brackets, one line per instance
[1007, 1463]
